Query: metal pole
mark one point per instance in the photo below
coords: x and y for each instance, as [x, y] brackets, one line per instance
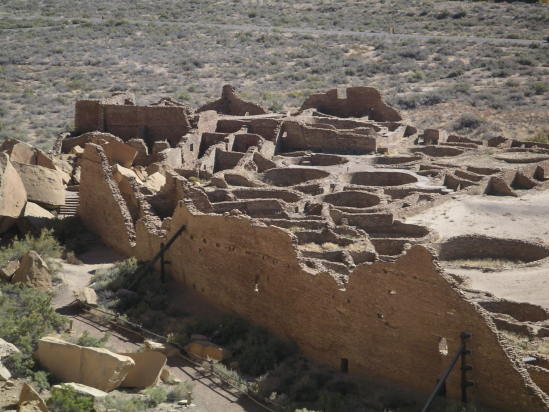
[139, 274]
[162, 270]
[462, 352]
[464, 367]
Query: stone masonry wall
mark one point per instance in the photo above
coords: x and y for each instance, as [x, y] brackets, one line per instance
[387, 322]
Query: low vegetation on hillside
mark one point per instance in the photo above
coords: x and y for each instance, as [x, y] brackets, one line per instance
[434, 80]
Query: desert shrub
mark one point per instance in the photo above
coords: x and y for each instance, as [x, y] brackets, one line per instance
[117, 277]
[27, 316]
[254, 348]
[87, 340]
[156, 395]
[413, 101]
[539, 88]
[67, 399]
[183, 390]
[72, 234]
[540, 137]
[468, 121]
[46, 245]
[122, 402]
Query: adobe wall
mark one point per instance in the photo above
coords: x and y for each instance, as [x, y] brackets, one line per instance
[359, 102]
[387, 322]
[104, 210]
[129, 122]
[485, 247]
[302, 137]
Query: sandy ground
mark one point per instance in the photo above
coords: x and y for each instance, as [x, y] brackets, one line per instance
[525, 217]
[530, 284]
[208, 396]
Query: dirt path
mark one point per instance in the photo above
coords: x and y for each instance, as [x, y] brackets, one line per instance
[208, 396]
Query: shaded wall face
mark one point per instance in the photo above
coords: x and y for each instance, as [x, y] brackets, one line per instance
[388, 324]
[88, 116]
[150, 123]
[300, 137]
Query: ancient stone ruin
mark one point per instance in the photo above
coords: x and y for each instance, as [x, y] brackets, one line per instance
[298, 222]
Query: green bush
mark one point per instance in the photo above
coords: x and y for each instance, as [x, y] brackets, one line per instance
[46, 245]
[183, 390]
[122, 402]
[254, 348]
[156, 395]
[116, 278]
[72, 234]
[87, 340]
[67, 399]
[27, 315]
[468, 121]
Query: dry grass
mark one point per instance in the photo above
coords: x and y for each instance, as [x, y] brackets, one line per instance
[43, 71]
[483, 263]
[525, 345]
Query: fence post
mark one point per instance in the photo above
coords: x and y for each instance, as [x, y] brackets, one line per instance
[465, 367]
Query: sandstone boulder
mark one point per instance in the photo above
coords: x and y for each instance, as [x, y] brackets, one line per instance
[165, 348]
[4, 373]
[13, 195]
[19, 151]
[95, 367]
[43, 185]
[6, 272]
[42, 159]
[7, 349]
[87, 296]
[80, 389]
[147, 369]
[30, 400]
[207, 350]
[34, 218]
[33, 272]
[155, 182]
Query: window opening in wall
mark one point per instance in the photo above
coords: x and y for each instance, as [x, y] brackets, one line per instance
[192, 147]
[443, 346]
[344, 365]
[256, 285]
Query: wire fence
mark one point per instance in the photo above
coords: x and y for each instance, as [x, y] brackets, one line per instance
[240, 385]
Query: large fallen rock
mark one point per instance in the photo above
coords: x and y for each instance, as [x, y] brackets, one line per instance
[33, 272]
[207, 350]
[147, 370]
[165, 348]
[115, 148]
[34, 218]
[4, 373]
[13, 195]
[96, 367]
[43, 185]
[80, 389]
[30, 400]
[19, 151]
[7, 349]
[87, 296]
[6, 272]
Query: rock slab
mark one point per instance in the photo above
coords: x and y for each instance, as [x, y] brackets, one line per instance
[95, 367]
